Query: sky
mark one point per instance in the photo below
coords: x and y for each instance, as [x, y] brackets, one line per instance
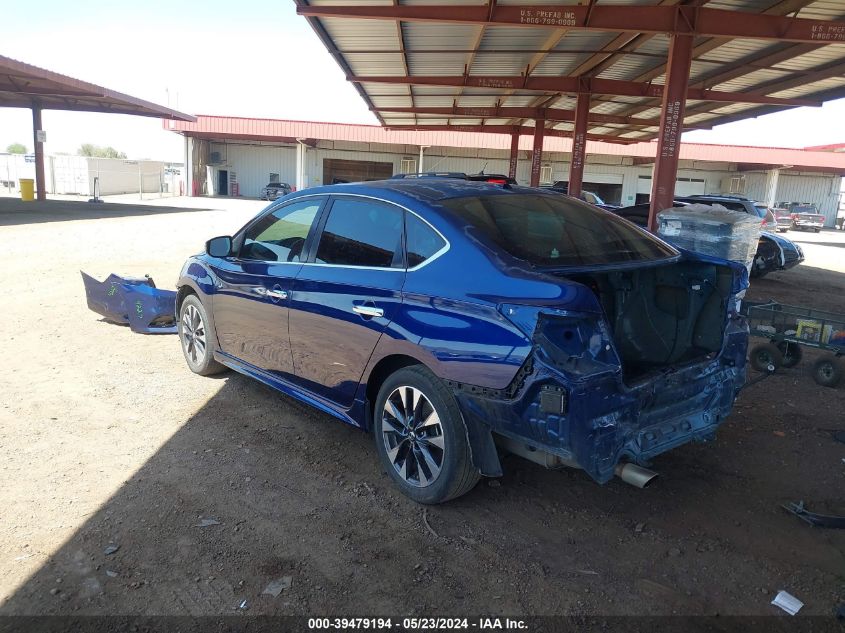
[253, 60]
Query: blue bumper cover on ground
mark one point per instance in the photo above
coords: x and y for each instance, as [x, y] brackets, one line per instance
[132, 301]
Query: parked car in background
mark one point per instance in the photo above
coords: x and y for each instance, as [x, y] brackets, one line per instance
[732, 202]
[449, 317]
[774, 252]
[561, 186]
[783, 218]
[770, 222]
[275, 190]
[805, 217]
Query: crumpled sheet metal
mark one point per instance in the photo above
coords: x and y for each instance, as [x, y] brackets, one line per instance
[132, 301]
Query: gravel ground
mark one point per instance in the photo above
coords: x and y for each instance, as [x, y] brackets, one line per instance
[108, 441]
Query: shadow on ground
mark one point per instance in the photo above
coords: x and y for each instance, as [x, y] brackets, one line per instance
[803, 285]
[14, 211]
[298, 494]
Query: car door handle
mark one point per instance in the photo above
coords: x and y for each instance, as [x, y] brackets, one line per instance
[368, 311]
[273, 294]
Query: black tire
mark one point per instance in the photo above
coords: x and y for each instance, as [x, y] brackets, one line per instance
[791, 353]
[765, 354]
[828, 371]
[413, 443]
[196, 339]
[817, 230]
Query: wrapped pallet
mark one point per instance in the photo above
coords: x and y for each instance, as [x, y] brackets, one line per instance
[711, 230]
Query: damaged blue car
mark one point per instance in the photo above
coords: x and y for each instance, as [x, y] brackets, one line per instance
[456, 321]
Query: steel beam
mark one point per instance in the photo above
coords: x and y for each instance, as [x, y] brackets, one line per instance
[669, 20]
[578, 85]
[40, 185]
[671, 118]
[514, 157]
[537, 152]
[507, 112]
[509, 130]
[579, 145]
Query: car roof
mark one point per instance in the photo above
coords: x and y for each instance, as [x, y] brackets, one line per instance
[426, 189]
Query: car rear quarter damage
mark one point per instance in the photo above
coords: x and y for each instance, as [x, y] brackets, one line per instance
[657, 366]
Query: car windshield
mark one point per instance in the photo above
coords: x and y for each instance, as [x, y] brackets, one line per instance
[556, 232]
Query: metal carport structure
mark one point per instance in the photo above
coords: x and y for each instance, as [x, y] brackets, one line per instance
[26, 86]
[614, 70]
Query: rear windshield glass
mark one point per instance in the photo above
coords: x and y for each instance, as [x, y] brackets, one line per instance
[557, 231]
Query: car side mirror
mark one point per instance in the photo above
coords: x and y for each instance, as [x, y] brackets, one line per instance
[219, 246]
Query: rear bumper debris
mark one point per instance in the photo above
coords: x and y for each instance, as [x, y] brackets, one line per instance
[132, 301]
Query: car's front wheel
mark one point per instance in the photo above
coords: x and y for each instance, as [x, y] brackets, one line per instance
[196, 338]
[421, 438]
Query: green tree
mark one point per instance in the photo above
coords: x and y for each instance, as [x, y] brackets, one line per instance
[16, 148]
[96, 151]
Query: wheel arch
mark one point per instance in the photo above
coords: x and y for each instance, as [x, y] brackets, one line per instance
[183, 291]
[188, 286]
[482, 447]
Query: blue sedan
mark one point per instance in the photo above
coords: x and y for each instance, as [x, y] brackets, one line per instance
[456, 321]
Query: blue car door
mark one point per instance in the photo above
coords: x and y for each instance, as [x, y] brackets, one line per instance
[346, 293]
[251, 304]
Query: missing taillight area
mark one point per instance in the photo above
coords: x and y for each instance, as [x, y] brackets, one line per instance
[664, 316]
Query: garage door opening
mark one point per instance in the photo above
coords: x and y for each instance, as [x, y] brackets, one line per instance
[683, 187]
[610, 193]
[336, 170]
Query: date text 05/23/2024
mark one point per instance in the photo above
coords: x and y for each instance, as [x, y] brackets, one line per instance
[415, 624]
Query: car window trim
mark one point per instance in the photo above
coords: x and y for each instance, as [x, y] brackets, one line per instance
[320, 225]
[239, 236]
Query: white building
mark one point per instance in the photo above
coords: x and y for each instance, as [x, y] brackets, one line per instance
[235, 156]
[85, 176]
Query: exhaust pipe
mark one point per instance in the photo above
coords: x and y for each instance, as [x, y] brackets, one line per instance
[634, 475]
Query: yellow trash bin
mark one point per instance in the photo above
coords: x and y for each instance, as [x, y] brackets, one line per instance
[27, 189]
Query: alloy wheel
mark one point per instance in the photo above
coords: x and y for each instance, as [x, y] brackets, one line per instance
[413, 436]
[193, 334]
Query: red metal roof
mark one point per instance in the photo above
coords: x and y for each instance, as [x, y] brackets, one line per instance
[231, 128]
[22, 85]
[835, 147]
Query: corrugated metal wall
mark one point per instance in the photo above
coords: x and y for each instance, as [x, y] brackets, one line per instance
[253, 164]
[74, 175]
[819, 189]
[13, 167]
[823, 191]
[70, 175]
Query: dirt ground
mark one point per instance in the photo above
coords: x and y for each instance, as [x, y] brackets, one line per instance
[106, 439]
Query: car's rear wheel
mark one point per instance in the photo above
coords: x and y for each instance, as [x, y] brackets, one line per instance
[421, 438]
[196, 338]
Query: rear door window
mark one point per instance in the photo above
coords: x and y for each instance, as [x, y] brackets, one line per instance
[422, 241]
[361, 232]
